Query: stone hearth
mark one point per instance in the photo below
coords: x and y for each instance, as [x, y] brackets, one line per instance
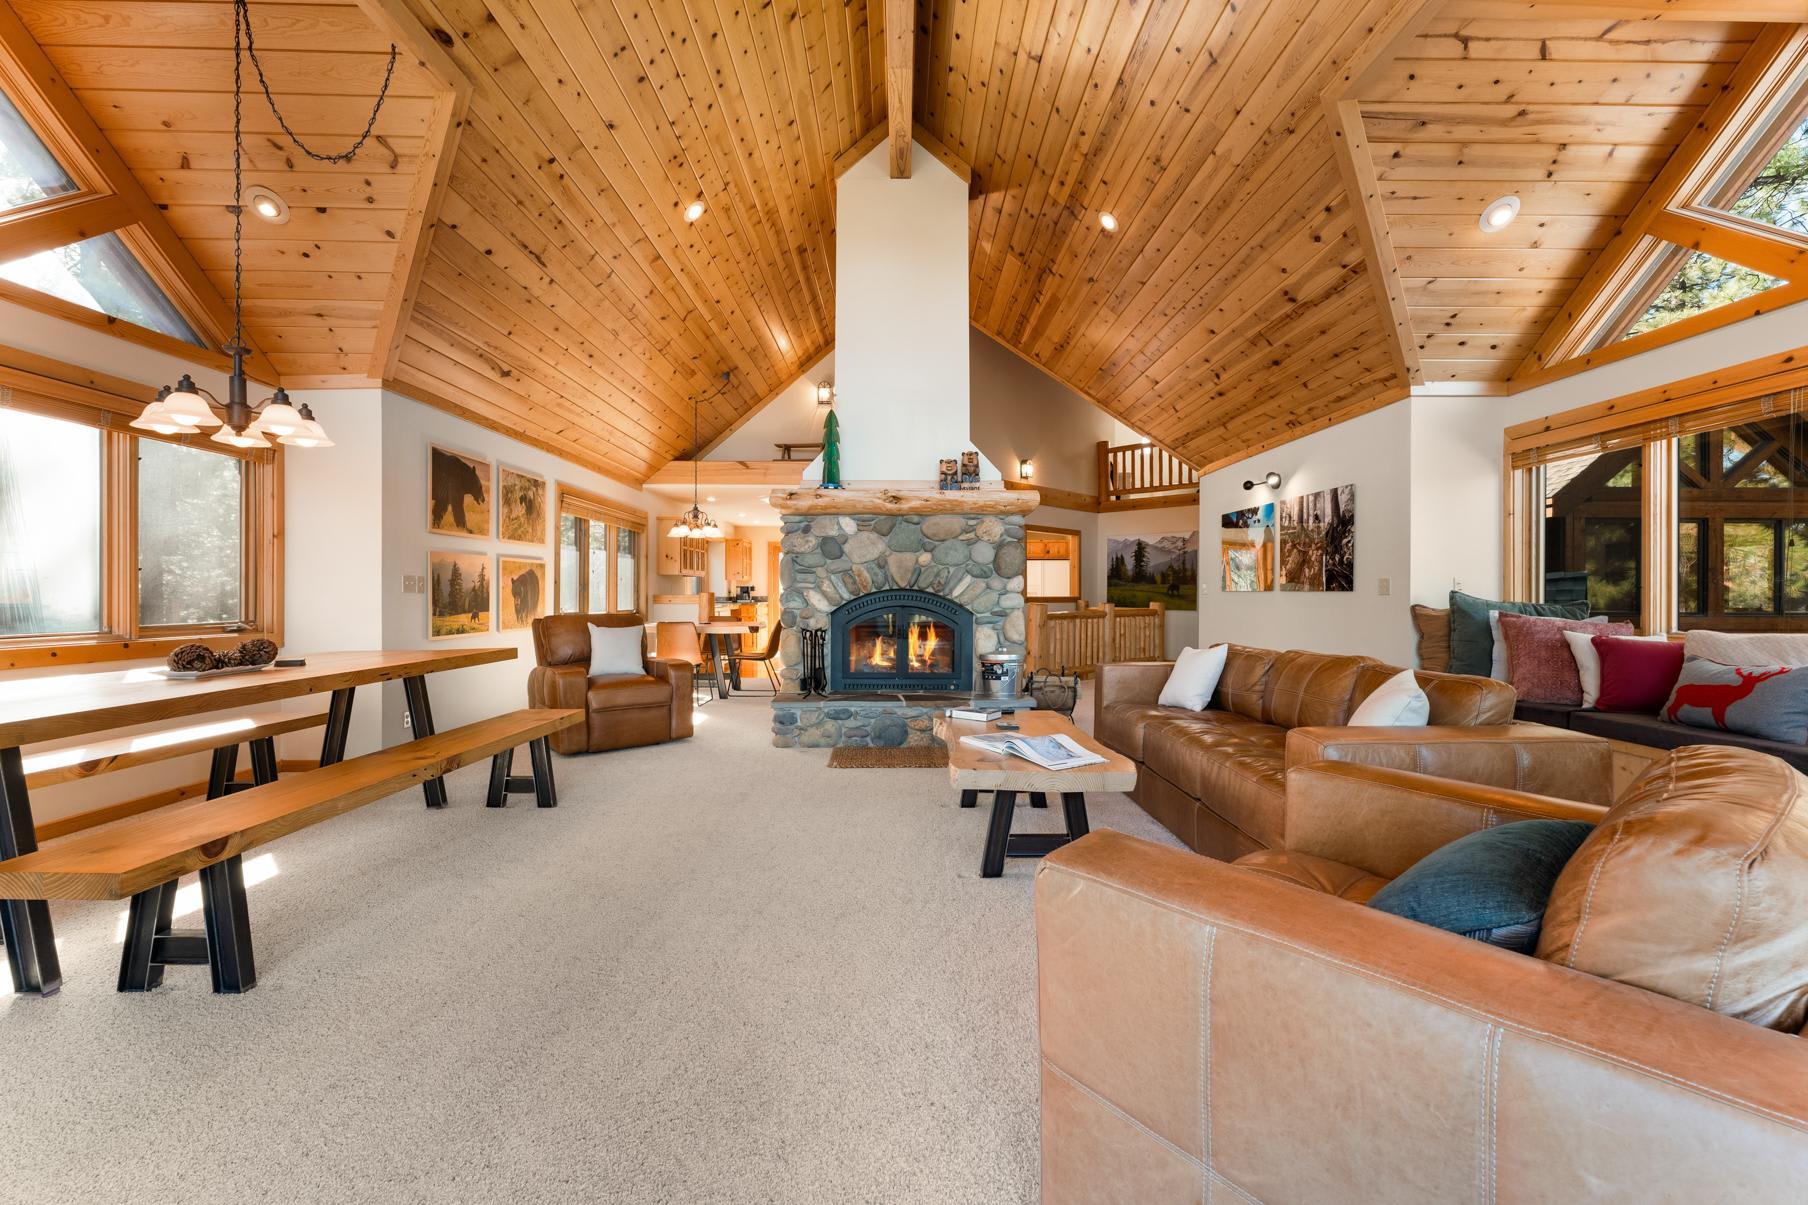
[975, 557]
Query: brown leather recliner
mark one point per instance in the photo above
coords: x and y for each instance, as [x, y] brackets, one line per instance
[1211, 1033]
[1216, 778]
[620, 710]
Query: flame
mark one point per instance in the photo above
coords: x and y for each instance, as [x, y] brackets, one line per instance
[925, 635]
[881, 654]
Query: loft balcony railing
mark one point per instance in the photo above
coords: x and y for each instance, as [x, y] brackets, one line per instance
[1135, 472]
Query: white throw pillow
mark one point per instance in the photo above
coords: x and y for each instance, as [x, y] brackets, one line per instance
[1194, 677]
[617, 650]
[1588, 661]
[1748, 648]
[1396, 703]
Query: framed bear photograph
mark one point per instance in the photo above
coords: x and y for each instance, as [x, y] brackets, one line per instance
[460, 489]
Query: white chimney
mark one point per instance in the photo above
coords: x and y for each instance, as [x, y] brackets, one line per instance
[902, 391]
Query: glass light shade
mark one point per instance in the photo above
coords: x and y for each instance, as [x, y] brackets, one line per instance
[156, 417]
[232, 439]
[680, 531]
[712, 532]
[190, 408]
[279, 419]
[311, 435]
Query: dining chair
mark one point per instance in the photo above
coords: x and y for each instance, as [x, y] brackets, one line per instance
[676, 640]
[765, 657]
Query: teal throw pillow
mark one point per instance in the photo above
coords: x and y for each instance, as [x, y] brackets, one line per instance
[1491, 886]
[1472, 640]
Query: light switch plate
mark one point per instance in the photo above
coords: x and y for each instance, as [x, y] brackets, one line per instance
[1387, 586]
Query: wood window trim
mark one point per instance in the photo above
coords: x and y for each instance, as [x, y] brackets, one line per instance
[591, 507]
[1653, 417]
[38, 385]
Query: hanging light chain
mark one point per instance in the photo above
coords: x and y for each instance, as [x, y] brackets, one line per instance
[244, 9]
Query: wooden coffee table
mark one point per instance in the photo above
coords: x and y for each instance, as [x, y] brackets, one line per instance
[974, 770]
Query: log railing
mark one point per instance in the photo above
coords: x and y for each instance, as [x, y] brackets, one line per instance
[1134, 470]
[1081, 640]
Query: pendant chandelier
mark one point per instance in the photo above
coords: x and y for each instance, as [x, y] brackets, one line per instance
[693, 524]
[185, 408]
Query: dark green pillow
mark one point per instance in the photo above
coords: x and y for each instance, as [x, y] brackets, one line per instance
[1491, 886]
[1472, 640]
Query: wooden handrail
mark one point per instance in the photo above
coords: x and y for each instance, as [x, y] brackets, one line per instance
[1127, 470]
[1081, 640]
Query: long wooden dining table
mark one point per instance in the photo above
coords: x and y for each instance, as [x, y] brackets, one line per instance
[67, 705]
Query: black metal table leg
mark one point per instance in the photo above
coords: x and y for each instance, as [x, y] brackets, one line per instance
[499, 777]
[716, 646]
[263, 760]
[24, 924]
[338, 727]
[546, 793]
[1074, 804]
[969, 799]
[998, 834]
[420, 722]
[228, 921]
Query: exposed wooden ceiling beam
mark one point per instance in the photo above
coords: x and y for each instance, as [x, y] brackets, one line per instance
[900, 69]
[53, 224]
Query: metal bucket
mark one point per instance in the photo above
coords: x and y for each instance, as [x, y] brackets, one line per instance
[999, 672]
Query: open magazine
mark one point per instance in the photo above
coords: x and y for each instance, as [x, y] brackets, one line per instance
[1053, 752]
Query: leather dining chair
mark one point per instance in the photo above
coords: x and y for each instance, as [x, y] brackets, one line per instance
[764, 658]
[677, 640]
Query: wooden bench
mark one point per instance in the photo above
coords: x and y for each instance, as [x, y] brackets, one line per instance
[143, 857]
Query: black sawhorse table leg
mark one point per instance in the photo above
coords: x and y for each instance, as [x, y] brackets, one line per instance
[420, 723]
[224, 944]
[970, 799]
[1001, 844]
[503, 784]
[24, 924]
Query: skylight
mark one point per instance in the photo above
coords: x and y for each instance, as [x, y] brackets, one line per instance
[1701, 283]
[100, 274]
[28, 171]
[1778, 194]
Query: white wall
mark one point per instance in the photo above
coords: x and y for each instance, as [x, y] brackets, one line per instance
[1020, 412]
[1372, 452]
[791, 417]
[459, 696]
[901, 352]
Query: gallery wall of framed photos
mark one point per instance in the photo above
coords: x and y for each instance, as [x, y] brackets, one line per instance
[471, 591]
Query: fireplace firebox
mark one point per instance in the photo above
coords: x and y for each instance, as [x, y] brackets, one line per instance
[900, 640]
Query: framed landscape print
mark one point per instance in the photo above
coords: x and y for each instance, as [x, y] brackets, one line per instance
[1318, 540]
[1156, 568]
[522, 518]
[521, 591]
[1246, 548]
[458, 593]
[458, 493]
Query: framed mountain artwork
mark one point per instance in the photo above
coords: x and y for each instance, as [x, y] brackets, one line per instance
[1154, 568]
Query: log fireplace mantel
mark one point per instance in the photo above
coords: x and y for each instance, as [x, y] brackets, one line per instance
[890, 501]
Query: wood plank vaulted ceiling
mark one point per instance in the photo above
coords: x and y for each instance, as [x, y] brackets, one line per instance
[564, 299]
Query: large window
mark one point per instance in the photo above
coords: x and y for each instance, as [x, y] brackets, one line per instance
[100, 274]
[1722, 472]
[109, 536]
[600, 550]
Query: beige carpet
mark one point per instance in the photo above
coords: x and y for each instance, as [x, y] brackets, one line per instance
[718, 972]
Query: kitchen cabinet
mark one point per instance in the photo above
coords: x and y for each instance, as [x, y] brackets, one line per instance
[737, 562]
[679, 558]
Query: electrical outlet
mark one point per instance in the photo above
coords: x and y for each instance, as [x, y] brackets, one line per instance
[1387, 586]
[407, 721]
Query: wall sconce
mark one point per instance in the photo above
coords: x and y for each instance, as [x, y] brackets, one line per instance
[1026, 469]
[825, 393]
[1271, 480]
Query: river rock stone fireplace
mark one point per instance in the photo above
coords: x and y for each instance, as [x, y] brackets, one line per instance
[911, 588]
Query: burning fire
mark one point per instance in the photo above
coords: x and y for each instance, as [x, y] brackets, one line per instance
[924, 636]
[922, 641]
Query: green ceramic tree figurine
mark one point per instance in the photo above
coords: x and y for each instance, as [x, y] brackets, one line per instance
[831, 452]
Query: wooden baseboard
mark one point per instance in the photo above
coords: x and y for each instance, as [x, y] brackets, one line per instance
[62, 826]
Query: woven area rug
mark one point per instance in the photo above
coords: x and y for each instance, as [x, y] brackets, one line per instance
[865, 757]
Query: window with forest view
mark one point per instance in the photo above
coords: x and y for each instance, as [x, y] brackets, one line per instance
[191, 536]
[50, 526]
[102, 275]
[1778, 194]
[1742, 509]
[1591, 546]
[599, 559]
[1699, 284]
[29, 173]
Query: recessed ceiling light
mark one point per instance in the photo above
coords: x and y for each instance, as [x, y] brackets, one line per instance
[710, 498]
[742, 515]
[693, 211]
[1108, 221]
[1498, 215]
[266, 204]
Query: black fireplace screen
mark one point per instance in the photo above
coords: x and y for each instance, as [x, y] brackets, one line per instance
[900, 640]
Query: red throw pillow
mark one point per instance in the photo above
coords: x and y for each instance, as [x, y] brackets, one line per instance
[1637, 675]
[1539, 663]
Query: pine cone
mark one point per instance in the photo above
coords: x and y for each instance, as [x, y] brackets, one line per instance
[193, 658]
[227, 659]
[257, 651]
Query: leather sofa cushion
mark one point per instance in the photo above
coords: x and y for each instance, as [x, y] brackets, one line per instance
[1310, 690]
[1314, 873]
[1695, 886]
[1121, 725]
[1457, 700]
[1243, 685]
[1233, 765]
[611, 692]
[1658, 733]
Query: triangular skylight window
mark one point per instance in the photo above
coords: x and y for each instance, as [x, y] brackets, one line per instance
[102, 275]
[1778, 194]
[1699, 284]
[29, 173]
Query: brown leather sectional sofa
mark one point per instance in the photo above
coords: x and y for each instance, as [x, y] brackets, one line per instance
[1217, 778]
